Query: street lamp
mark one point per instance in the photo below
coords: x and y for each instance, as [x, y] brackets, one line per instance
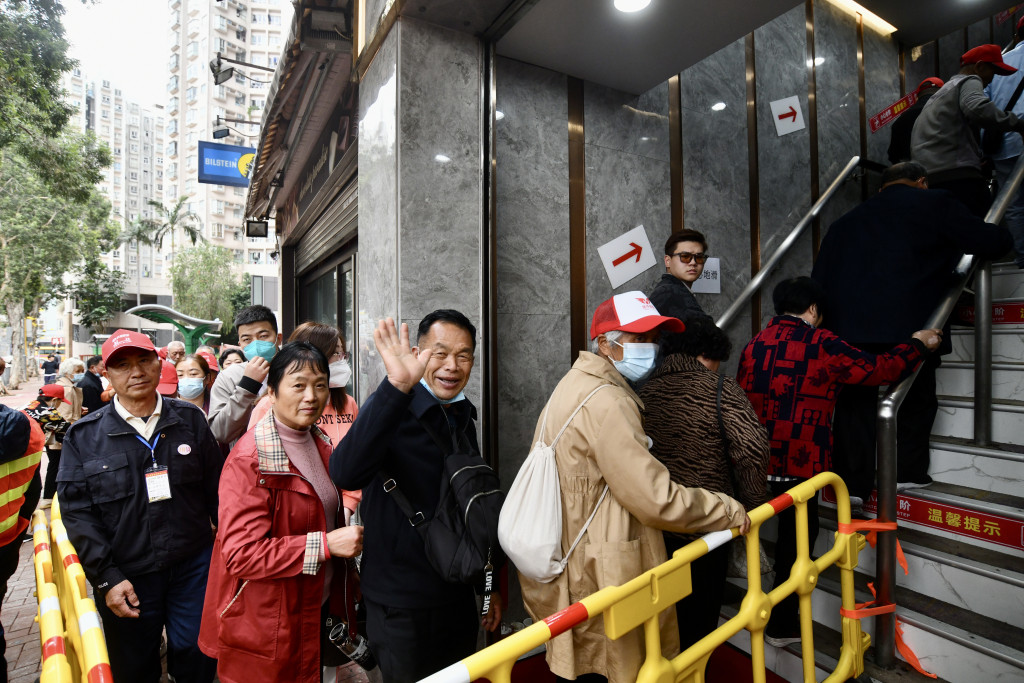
[220, 74]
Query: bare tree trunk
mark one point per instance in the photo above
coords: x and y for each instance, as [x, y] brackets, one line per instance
[16, 319]
[31, 369]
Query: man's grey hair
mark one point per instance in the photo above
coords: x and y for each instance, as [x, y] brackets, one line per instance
[905, 170]
[70, 366]
[613, 336]
[176, 342]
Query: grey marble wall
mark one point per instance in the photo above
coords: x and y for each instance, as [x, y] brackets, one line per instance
[716, 187]
[533, 250]
[784, 162]
[627, 179]
[979, 33]
[882, 87]
[1002, 34]
[951, 46]
[919, 64]
[837, 92]
[377, 260]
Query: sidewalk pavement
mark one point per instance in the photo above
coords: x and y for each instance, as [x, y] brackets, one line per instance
[26, 393]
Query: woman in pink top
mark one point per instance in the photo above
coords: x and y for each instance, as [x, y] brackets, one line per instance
[341, 410]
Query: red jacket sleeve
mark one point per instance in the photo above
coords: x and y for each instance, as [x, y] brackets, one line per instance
[849, 365]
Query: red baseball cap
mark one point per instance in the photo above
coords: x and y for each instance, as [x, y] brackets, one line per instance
[168, 379]
[930, 82]
[631, 312]
[211, 360]
[54, 391]
[125, 339]
[988, 54]
[162, 352]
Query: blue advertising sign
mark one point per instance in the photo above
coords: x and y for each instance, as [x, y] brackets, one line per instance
[225, 164]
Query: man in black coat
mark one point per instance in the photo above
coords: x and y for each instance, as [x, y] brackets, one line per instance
[885, 266]
[91, 385]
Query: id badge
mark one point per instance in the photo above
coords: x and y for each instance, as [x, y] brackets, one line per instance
[158, 484]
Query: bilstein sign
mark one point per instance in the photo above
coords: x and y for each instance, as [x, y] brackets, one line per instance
[225, 164]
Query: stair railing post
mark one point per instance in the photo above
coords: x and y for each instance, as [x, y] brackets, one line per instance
[884, 638]
[983, 355]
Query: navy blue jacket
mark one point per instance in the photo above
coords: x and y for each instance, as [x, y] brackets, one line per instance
[104, 502]
[387, 435]
[886, 264]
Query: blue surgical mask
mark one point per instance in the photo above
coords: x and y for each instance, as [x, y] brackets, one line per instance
[259, 347]
[637, 360]
[460, 397]
[191, 387]
[78, 377]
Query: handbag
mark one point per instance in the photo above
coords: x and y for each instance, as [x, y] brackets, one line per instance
[530, 524]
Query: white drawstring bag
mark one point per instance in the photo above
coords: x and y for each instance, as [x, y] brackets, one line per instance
[530, 523]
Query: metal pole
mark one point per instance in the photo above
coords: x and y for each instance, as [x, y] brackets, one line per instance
[758, 279]
[983, 355]
[885, 557]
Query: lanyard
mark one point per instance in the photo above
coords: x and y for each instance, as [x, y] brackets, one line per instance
[150, 446]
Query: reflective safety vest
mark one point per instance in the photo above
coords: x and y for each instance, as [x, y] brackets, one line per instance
[15, 477]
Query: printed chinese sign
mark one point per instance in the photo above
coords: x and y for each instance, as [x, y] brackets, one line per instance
[710, 280]
[1002, 314]
[892, 112]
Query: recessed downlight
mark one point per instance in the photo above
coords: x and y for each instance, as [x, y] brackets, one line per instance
[629, 6]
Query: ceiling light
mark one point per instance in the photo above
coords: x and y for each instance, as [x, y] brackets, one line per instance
[442, 158]
[873, 20]
[631, 5]
[718, 106]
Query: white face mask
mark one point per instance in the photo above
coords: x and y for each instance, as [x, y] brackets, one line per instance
[637, 360]
[341, 373]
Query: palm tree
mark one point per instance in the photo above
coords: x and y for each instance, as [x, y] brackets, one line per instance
[138, 232]
[169, 221]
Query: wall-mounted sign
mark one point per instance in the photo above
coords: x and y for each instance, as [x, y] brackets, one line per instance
[627, 256]
[892, 112]
[710, 280]
[787, 115]
[225, 164]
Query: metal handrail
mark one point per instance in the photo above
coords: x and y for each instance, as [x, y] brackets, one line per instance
[885, 560]
[758, 280]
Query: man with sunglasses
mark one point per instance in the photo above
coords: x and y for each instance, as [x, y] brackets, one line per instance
[685, 254]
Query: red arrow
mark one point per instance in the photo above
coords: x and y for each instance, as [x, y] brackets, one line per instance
[635, 251]
[789, 114]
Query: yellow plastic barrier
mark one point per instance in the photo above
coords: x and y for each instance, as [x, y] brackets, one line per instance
[55, 667]
[640, 601]
[68, 608]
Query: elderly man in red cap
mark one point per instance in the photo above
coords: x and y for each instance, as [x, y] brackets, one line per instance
[138, 495]
[945, 139]
[609, 478]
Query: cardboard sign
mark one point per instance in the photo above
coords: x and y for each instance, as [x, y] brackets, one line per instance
[961, 521]
[787, 115]
[627, 256]
[892, 112]
[710, 280]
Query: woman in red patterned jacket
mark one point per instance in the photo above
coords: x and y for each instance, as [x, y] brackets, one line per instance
[792, 372]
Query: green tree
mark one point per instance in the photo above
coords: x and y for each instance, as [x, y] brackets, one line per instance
[204, 284]
[134, 235]
[169, 221]
[97, 291]
[43, 235]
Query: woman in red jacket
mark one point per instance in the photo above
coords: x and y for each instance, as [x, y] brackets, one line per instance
[278, 566]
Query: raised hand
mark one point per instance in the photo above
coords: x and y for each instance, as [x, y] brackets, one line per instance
[404, 367]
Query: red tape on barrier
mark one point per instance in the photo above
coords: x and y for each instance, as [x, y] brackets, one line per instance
[560, 622]
[70, 560]
[53, 646]
[100, 674]
[780, 503]
[859, 613]
[41, 547]
[874, 526]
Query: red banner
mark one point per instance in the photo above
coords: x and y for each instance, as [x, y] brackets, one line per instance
[989, 528]
[892, 112]
[1003, 16]
[1002, 314]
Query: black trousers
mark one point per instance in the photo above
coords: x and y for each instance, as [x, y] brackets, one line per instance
[697, 613]
[52, 465]
[171, 598]
[785, 616]
[8, 565]
[973, 192]
[854, 430]
[412, 643]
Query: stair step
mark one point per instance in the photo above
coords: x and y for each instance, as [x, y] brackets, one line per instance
[996, 468]
[956, 378]
[1007, 283]
[956, 418]
[1007, 344]
[960, 574]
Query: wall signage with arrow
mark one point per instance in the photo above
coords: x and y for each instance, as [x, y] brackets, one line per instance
[787, 115]
[627, 256]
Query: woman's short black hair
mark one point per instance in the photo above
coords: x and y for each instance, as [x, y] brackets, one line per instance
[295, 356]
[227, 352]
[701, 338]
[795, 295]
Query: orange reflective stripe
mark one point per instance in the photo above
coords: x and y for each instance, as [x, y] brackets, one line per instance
[53, 646]
[100, 674]
[560, 622]
[866, 524]
[780, 503]
[867, 612]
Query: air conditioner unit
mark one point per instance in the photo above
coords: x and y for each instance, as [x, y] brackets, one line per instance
[326, 31]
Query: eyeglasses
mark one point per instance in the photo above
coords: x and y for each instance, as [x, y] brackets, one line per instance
[686, 257]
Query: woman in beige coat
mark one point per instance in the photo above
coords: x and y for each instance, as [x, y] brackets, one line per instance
[606, 444]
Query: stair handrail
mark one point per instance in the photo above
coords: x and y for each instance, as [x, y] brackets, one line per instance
[885, 559]
[757, 281]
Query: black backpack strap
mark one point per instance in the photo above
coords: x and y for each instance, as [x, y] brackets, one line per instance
[415, 517]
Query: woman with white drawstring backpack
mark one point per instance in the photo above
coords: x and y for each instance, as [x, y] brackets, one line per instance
[615, 497]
